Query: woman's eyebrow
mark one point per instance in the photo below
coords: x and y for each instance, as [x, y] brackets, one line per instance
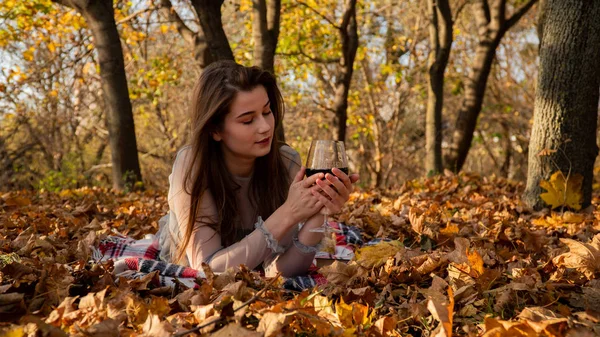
[251, 112]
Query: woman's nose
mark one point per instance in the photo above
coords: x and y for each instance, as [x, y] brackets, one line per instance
[264, 125]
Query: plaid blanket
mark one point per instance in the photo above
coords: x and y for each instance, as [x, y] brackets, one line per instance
[137, 258]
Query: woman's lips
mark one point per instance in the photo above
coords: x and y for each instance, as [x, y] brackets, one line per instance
[264, 141]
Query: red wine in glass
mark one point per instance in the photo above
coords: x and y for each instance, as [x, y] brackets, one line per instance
[310, 172]
[323, 156]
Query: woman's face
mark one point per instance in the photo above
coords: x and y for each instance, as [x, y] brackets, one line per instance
[248, 127]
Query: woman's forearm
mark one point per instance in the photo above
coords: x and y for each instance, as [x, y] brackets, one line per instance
[296, 260]
[308, 238]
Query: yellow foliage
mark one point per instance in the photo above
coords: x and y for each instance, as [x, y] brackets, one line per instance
[28, 54]
[377, 255]
[16, 332]
[352, 314]
[563, 192]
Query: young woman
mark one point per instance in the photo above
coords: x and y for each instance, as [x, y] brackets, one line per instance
[237, 194]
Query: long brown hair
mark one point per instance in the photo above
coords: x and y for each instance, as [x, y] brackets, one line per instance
[212, 98]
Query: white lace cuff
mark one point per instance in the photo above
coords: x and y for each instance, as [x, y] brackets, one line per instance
[272, 243]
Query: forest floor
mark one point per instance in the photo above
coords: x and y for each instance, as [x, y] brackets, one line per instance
[467, 257]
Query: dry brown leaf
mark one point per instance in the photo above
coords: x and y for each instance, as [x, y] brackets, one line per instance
[107, 327]
[155, 327]
[339, 273]
[385, 325]
[444, 314]
[499, 328]
[235, 330]
[12, 303]
[583, 257]
[272, 323]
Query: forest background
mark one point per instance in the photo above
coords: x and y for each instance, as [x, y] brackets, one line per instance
[53, 117]
[473, 125]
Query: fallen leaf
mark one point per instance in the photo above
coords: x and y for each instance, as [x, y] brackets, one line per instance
[235, 330]
[339, 272]
[443, 313]
[108, 327]
[272, 323]
[154, 327]
[563, 192]
[583, 257]
[376, 255]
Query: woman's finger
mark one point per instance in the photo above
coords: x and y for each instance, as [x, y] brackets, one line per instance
[311, 180]
[342, 176]
[326, 202]
[338, 185]
[299, 175]
[354, 177]
[329, 191]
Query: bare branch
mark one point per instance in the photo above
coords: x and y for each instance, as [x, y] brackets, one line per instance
[135, 14]
[459, 10]
[519, 14]
[166, 8]
[481, 12]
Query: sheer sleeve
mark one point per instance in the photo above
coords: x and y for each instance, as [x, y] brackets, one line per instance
[205, 242]
[293, 261]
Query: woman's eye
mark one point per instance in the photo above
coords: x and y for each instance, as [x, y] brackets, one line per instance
[248, 122]
[266, 113]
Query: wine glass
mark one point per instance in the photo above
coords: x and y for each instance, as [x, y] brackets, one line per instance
[323, 156]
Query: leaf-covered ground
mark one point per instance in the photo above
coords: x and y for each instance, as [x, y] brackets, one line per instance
[466, 258]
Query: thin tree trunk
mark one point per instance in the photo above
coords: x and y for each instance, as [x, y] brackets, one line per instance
[99, 15]
[505, 168]
[196, 40]
[440, 36]
[566, 101]
[209, 14]
[349, 36]
[492, 25]
[265, 33]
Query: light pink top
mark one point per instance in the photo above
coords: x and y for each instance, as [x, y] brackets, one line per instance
[205, 243]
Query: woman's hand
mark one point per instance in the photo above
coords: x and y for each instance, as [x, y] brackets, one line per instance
[301, 202]
[335, 189]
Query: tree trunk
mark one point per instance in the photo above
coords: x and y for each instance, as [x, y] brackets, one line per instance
[440, 36]
[492, 25]
[349, 36]
[566, 100]
[265, 33]
[196, 40]
[99, 15]
[209, 14]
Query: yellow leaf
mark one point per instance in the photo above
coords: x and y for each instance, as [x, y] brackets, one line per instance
[28, 54]
[450, 229]
[377, 255]
[344, 313]
[164, 28]
[476, 262]
[51, 47]
[16, 332]
[561, 192]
